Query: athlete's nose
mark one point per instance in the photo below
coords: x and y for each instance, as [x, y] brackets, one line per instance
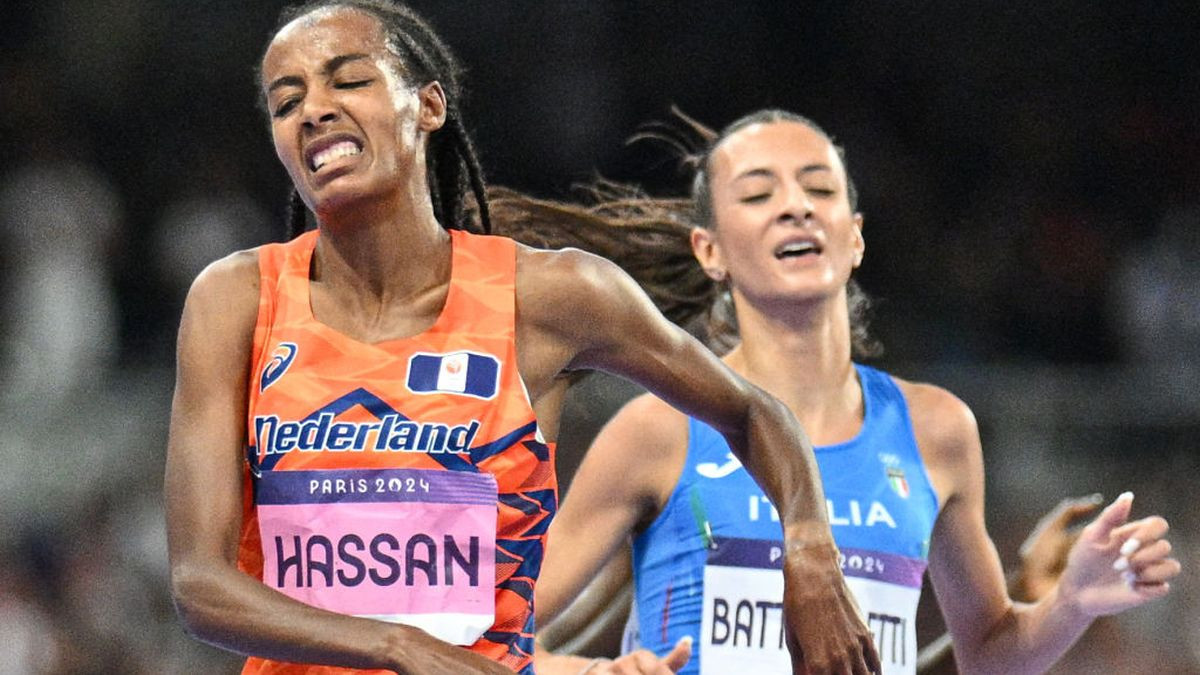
[798, 205]
[319, 109]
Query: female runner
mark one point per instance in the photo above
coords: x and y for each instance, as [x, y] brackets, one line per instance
[900, 461]
[360, 467]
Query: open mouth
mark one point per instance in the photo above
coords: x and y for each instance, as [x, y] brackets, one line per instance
[333, 151]
[336, 151]
[797, 249]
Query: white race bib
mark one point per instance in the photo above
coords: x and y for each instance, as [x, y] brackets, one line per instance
[742, 627]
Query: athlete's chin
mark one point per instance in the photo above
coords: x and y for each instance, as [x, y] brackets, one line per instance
[341, 194]
[806, 291]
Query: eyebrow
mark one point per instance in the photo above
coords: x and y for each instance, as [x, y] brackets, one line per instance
[763, 172]
[330, 67]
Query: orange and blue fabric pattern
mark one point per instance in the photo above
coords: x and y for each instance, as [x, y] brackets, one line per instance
[396, 480]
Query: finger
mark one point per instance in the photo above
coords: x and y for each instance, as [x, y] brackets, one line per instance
[1070, 509]
[1148, 554]
[625, 665]
[871, 654]
[1080, 507]
[1158, 572]
[1135, 537]
[680, 655]
[858, 664]
[1145, 530]
[1152, 591]
[1113, 515]
[646, 663]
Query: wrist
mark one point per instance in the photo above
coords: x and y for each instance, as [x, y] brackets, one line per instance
[818, 562]
[400, 646]
[811, 546]
[1064, 601]
[1030, 587]
[805, 534]
[590, 666]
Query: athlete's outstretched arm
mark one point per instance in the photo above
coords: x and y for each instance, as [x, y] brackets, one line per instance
[204, 492]
[601, 319]
[1043, 557]
[992, 634]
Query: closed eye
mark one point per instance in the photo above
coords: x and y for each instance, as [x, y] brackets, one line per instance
[286, 106]
[755, 199]
[355, 84]
[822, 192]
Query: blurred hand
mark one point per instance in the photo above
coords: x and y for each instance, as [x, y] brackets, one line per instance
[1044, 552]
[644, 662]
[825, 629]
[1116, 564]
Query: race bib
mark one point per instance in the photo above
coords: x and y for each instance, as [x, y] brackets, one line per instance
[742, 626]
[412, 546]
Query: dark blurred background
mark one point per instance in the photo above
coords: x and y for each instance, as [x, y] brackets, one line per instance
[1028, 173]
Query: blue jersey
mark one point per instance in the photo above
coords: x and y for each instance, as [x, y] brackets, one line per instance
[709, 565]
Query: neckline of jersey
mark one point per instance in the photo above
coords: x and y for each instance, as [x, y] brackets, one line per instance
[305, 268]
[866, 418]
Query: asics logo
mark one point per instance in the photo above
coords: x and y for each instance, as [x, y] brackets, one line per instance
[284, 354]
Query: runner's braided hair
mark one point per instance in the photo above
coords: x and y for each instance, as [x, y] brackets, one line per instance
[456, 184]
[649, 237]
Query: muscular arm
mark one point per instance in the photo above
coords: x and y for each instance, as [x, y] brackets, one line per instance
[596, 317]
[218, 603]
[585, 313]
[992, 634]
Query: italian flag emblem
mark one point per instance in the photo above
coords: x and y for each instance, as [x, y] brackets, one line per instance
[898, 482]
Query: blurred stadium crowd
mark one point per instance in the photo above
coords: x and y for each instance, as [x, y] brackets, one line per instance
[1029, 176]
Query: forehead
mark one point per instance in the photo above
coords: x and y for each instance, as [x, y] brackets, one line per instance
[320, 35]
[781, 146]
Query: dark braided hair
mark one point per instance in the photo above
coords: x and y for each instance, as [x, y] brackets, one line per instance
[456, 186]
[649, 237]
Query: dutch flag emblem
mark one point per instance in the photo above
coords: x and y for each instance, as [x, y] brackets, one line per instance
[467, 373]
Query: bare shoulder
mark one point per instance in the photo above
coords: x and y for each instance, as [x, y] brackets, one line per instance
[592, 312]
[223, 299]
[943, 424]
[559, 311]
[216, 336]
[548, 280]
[233, 279]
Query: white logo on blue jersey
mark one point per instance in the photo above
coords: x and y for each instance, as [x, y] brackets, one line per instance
[844, 512]
[712, 470]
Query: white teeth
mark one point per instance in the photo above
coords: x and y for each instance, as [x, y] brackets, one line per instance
[799, 247]
[333, 152]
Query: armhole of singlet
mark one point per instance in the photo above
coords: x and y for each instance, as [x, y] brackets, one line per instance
[270, 268]
[677, 491]
[512, 255]
[906, 420]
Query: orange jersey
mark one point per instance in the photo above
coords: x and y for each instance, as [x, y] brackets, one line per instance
[396, 480]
